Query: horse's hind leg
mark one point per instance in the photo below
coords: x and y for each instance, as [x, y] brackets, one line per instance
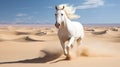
[78, 51]
[79, 41]
[70, 43]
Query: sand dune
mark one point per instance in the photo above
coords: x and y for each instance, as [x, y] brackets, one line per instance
[89, 29]
[99, 32]
[26, 46]
[28, 38]
[9, 37]
[20, 38]
[114, 29]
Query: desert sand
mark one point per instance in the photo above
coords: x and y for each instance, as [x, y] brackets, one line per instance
[39, 46]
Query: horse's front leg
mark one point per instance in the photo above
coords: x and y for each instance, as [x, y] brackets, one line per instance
[63, 46]
[69, 45]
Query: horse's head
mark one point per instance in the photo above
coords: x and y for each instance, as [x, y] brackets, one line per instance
[59, 15]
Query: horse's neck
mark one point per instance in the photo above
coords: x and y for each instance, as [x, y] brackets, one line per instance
[64, 25]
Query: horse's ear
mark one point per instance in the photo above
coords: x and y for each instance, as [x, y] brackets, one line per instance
[63, 7]
[56, 7]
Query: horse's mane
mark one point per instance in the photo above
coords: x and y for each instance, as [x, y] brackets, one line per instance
[69, 10]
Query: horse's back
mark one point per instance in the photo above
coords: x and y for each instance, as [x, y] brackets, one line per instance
[77, 29]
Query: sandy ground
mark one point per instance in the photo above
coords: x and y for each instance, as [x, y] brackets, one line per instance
[22, 46]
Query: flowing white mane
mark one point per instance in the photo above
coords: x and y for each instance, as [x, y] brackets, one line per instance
[69, 10]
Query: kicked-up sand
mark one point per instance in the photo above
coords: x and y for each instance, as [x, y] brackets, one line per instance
[39, 46]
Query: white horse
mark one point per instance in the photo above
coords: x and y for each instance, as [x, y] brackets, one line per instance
[70, 31]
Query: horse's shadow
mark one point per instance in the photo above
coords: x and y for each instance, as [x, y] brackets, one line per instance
[48, 57]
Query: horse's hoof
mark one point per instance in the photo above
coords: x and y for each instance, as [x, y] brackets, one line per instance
[71, 46]
[70, 58]
[67, 58]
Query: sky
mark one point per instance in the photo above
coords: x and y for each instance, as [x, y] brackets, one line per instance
[42, 11]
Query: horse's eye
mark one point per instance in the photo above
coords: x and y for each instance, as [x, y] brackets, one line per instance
[55, 14]
[62, 14]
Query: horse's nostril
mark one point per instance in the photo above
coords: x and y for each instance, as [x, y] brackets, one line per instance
[57, 25]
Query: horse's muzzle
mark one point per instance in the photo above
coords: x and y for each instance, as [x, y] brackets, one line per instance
[57, 25]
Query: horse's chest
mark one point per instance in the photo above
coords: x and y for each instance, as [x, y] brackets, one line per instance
[63, 35]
